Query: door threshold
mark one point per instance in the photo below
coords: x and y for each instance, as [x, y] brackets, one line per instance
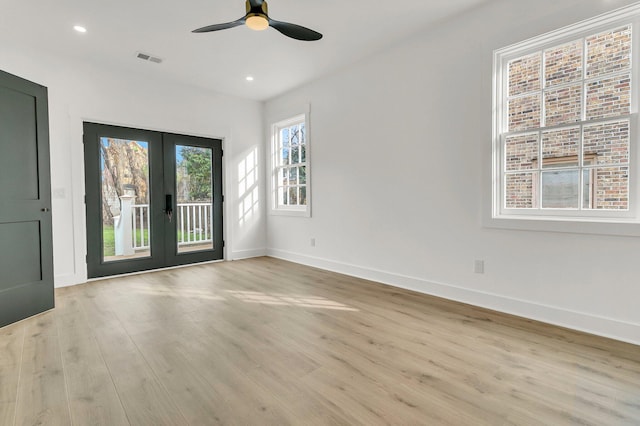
[128, 274]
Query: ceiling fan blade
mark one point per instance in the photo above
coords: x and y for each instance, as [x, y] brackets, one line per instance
[256, 3]
[218, 27]
[295, 31]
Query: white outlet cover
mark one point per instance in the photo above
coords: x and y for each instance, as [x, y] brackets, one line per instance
[58, 193]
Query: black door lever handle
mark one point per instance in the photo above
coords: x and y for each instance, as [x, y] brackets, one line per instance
[168, 206]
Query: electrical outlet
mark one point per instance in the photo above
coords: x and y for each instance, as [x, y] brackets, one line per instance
[312, 242]
[478, 266]
[58, 193]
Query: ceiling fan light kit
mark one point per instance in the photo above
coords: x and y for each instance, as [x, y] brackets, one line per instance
[257, 23]
[257, 19]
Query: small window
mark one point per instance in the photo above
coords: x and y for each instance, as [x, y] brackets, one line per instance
[564, 120]
[290, 166]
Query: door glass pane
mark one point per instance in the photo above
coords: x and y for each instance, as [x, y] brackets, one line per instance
[194, 197]
[124, 171]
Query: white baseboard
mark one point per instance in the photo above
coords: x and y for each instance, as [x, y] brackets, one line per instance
[593, 324]
[66, 280]
[247, 254]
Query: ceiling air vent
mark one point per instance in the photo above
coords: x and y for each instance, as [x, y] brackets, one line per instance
[147, 57]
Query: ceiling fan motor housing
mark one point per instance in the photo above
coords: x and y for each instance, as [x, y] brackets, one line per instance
[261, 10]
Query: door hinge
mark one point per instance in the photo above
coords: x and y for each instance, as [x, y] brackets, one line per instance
[223, 198]
[222, 243]
[85, 199]
[222, 153]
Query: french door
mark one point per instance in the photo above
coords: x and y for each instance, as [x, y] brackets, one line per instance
[152, 199]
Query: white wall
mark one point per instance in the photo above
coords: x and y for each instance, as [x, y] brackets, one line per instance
[80, 92]
[401, 147]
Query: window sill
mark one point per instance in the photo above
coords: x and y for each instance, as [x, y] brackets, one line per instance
[619, 227]
[291, 212]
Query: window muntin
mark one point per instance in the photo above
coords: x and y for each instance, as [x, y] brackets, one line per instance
[564, 133]
[290, 182]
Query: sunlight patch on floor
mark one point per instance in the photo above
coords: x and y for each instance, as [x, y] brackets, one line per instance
[181, 293]
[289, 300]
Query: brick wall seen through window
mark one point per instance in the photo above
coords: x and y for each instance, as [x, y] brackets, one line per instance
[565, 132]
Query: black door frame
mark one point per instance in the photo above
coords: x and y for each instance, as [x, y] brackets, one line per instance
[161, 182]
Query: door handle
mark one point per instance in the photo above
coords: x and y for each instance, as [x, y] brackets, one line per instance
[168, 206]
[45, 209]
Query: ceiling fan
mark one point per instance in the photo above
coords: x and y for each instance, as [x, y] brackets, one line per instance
[257, 18]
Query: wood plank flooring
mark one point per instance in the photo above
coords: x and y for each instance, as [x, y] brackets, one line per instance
[264, 341]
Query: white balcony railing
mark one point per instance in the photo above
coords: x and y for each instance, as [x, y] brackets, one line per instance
[194, 224]
[140, 221]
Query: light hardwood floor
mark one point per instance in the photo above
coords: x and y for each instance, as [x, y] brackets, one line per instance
[264, 341]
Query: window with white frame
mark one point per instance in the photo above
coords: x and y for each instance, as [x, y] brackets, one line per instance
[564, 122]
[290, 165]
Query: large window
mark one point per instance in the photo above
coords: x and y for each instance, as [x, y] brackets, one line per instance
[564, 122]
[290, 166]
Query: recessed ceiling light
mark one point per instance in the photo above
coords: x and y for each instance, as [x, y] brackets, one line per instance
[80, 28]
[249, 78]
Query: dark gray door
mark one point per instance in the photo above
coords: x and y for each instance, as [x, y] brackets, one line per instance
[193, 186]
[123, 175]
[153, 199]
[26, 248]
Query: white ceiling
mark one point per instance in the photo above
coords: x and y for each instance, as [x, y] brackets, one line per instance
[219, 61]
